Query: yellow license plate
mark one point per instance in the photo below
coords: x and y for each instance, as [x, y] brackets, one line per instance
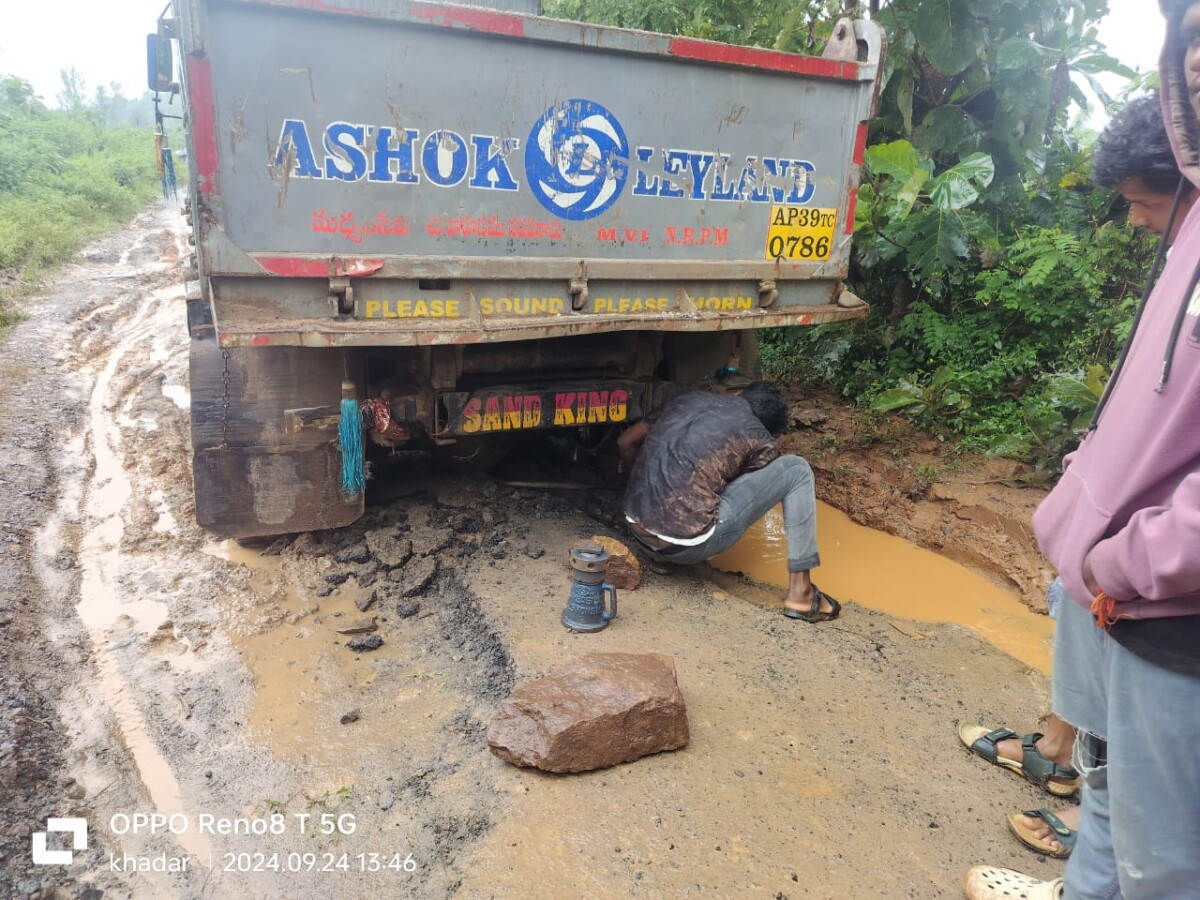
[801, 232]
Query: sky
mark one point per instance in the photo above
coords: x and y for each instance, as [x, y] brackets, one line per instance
[105, 40]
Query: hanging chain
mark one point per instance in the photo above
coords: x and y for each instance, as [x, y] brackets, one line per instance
[225, 400]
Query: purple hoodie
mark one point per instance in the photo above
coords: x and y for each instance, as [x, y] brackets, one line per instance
[1130, 495]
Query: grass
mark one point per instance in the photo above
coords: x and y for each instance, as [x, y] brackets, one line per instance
[66, 178]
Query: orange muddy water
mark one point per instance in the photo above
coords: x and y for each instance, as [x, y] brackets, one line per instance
[887, 573]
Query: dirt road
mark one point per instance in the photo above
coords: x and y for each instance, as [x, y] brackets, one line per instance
[145, 669]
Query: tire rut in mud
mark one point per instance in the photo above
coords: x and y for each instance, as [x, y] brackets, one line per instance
[44, 651]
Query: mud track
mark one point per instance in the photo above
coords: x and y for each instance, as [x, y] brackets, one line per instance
[146, 669]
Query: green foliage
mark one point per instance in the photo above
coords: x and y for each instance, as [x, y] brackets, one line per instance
[989, 260]
[931, 401]
[66, 175]
[1054, 419]
[973, 75]
[780, 24]
[912, 218]
[998, 364]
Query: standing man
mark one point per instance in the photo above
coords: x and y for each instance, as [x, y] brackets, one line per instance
[707, 469]
[1133, 157]
[1123, 529]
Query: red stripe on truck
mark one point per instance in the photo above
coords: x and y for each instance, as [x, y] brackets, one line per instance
[709, 51]
[304, 267]
[473, 19]
[860, 143]
[204, 121]
[851, 208]
[450, 17]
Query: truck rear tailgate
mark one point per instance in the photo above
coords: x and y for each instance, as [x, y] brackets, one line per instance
[398, 173]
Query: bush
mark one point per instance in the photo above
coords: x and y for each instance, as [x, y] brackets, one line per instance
[65, 178]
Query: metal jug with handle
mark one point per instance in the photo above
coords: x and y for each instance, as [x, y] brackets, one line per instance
[586, 610]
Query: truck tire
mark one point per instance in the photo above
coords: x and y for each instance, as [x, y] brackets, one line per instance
[251, 477]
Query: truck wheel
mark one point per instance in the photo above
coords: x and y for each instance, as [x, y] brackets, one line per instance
[251, 476]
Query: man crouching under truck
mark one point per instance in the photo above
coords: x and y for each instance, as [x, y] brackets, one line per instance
[705, 468]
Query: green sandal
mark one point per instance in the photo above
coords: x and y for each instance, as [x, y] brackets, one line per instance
[1065, 836]
[1035, 767]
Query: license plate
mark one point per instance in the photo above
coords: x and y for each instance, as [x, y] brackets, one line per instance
[801, 232]
[498, 410]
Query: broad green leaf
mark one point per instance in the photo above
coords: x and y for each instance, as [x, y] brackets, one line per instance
[1074, 389]
[898, 159]
[942, 377]
[1022, 53]
[908, 194]
[949, 193]
[940, 244]
[1102, 62]
[1037, 158]
[956, 187]
[978, 168]
[896, 398]
[950, 34]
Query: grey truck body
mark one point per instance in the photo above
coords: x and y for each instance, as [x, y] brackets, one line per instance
[455, 206]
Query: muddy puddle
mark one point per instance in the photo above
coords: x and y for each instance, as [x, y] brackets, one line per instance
[888, 574]
[306, 680]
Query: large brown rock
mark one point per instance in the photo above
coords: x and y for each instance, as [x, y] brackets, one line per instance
[624, 572]
[601, 710]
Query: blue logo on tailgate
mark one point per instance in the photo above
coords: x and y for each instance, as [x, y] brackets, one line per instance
[577, 159]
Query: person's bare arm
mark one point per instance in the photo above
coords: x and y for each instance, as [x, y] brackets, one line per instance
[630, 442]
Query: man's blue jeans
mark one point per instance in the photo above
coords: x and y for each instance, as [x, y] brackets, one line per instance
[746, 499]
[1139, 833]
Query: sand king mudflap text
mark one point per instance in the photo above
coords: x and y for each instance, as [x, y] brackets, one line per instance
[502, 411]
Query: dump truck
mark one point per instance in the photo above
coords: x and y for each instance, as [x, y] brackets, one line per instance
[440, 227]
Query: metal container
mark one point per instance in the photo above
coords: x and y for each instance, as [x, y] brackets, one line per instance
[586, 610]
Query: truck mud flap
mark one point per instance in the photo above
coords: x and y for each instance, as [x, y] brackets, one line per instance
[244, 492]
[253, 475]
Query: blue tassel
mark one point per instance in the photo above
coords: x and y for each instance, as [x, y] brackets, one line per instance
[350, 436]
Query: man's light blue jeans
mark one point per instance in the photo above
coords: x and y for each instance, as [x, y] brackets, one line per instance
[1139, 833]
[746, 499]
